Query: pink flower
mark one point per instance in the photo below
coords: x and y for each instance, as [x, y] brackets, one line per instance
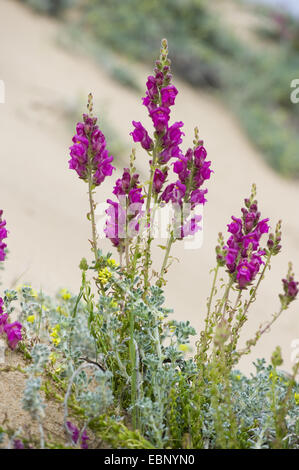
[160, 117]
[90, 144]
[140, 134]
[168, 95]
[14, 335]
[174, 192]
[3, 235]
[159, 179]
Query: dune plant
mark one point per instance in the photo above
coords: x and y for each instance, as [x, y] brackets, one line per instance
[112, 354]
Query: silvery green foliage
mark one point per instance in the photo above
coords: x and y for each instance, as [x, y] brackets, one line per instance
[9, 297]
[252, 403]
[40, 355]
[95, 395]
[157, 353]
[32, 400]
[74, 336]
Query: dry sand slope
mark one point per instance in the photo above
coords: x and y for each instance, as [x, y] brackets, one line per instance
[45, 203]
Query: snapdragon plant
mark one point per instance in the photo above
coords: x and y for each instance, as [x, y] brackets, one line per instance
[112, 354]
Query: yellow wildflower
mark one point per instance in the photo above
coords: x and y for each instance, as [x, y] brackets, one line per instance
[113, 304]
[238, 377]
[32, 291]
[56, 341]
[104, 275]
[53, 358]
[184, 347]
[112, 263]
[54, 335]
[31, 318]
[61, 310]
[65, 294]
[296, 396]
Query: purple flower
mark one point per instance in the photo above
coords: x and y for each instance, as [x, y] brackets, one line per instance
[152, 87]
[180, 167]
[244, 273]
[123, 215]
[115, 224]
[75, 434]
[168, 95]
[290, 287]
[262, 227]
[230, 259]
[84, 439]
[89, 152]
[191, 226]
[198, 197]
[18, 444]
[135, 196]
[174, 192]
[160, 117]
[3, 235]
[14, 335]
[159, 179]
[244, 255]
[140, 134]
[200, 154]
[3, 321]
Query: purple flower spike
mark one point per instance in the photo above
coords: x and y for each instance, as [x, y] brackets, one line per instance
[128, 208]
[89, 152]
[244, 256]
[3, 235]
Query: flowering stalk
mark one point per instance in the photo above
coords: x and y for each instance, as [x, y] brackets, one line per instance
[3, 235]
[91, 161]
[290, 287]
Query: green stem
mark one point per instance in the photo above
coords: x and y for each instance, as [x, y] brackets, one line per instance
[148, 217]
[212, 292]
[133, 370]
[166, 257]
[252, 297]
[92, 217]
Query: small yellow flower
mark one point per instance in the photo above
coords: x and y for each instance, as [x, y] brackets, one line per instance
[31, 318]
[113, 304]
[296, 396]
[53, 358]
[65, 294]
[56, 341]
[275, 378]
[34, 293]
[61, 310]
[184, 347]
[31, 292]
[238, 377]
[54, 335]
[112, 263]
[104, 275]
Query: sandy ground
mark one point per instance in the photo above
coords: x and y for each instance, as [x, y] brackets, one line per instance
[45, 203]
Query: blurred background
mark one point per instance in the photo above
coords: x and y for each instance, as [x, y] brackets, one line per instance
[233, 63]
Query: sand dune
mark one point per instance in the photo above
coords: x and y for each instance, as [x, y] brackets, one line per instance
[45, 204]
